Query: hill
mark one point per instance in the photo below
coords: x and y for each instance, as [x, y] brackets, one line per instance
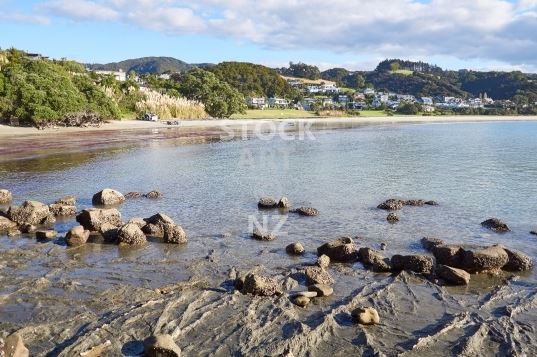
[145, 65]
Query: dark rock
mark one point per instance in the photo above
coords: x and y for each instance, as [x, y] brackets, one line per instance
[365, 316]
[6, 224]
[108, 197]
[92, 218]
[534, 233]
[77, 236]
[28, 228]
[317, 275]
[161, 346]
[450, 255]
[261, 234]
[431, 203]
[45, 234]
[5, 196]
[452, 275]
[30, 212]
[156, 224]
[131, 234]
[66, 201]
[431, 243]
[109, 232]
[153, 195]
[392, 218]
[391, 204]
[295, 249]
[374, 260]
[487, 259]
[260, 285]
[284, 202]
[307, 211]
[61, 210]
[321, 289]
[422, 264]
[174, 234]
[340, 250]
[132, 195]
[383, 246]
[267, 203]
[415, 203]
[323, 261]
[495, 225]
[517, 261]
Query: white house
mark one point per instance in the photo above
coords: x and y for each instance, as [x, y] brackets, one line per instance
[118, 75]
[369, 91]
[278, 102]
[256, 102]
[329, 88]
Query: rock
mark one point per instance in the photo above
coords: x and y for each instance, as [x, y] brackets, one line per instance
[295, 249]
[174, 234]
[450, 255]
[309, 294]
[45, 234]
[14, 233]
[260, 285]
[431, 243]
[161, 346]
[383, 246]
[517, 261]
[153, 195]
[417, 263]
[323, 261]
[495, 225]
[5, 196]
[307, 211]
[27, 228]
[58, 209]
[534, 233]
[391, 205]
[49, 220]
[301, 301]
[93, 218]
[321, 289]
[6, 224]
[487, 259]
[66, 201]
[317, 275]
[266, 203]
[284, 202]
[108, 197]
[374, 260]
[131, 234]
[261, 234]
[140, 222]
[14, 347]
[340, 250]
[77, 236]
[156, 224]
[97, 351]
[452, 275]
[392, 218]
[30, 212]
[132, 195]
[109, 232]
[366, 316]
[415, 203]
[431, 203]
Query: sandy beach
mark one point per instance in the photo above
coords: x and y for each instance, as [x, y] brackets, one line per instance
[9, 131]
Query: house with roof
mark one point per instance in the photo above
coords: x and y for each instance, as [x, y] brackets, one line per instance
[278, 103]
[256, 102]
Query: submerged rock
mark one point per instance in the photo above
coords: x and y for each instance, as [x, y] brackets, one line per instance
[373, 259]
[383, 246]
[261, 234]
[366, 316]
[534, 233]
[161, 346]
[28, 228]
[340, 250]
[174, 234]
[295, 249]
[415, 203]
[431, 243]
[108, 197]
[284, 202]
[77, 236]
[317, 275]
[422, 264]
[153, 195]
[260, 285]
[131, 234]
[323, 261]
[321, 289]
[487, 259]
[45, 234]
[109, 232]
[61, 210]
[452, 275]
[131, 195]
[92, 218]
[301, 301]
[14, 347]
[495, 225]
[66, 201]
[156, 224]
[392, 218]
[5, 196]
[307, 211]
[391, 204]
[30, 212]
[6, 224]
[267, 203]
[431, 203]
[450, 255]
[517, 261]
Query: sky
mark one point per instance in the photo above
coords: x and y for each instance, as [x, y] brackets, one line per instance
[355, 34]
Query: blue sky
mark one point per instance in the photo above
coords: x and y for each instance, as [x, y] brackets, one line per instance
[478, 34]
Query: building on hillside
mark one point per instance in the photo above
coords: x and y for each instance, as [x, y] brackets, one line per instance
[313, 89]
[359, 96]
[118, 75]
[426, 101]
[278, 103]
[427, 108]
[329, 88]
[35, 56]
[343, 99]
[369, 91]
[256, 102]
[293, 82]
[327, 102]
[166, 76]
[307, 103]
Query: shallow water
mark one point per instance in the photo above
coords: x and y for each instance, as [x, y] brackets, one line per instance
[68, 300]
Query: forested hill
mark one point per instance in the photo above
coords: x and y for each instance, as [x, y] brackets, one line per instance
[145, 65]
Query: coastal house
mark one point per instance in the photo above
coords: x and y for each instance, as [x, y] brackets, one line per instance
[369, 91]
[313, 89]
[329, 88]
[307, 103]
[426, 100]
[327, 102]
[35, 56]
[256, 102]
[118, 75]
[278, 103]
[166, 76]
[293, 82]
[359, 97]
[343, 99]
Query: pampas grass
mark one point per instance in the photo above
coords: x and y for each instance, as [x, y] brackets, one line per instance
[168, 107]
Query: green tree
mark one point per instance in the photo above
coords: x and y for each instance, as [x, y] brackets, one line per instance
[395, 66]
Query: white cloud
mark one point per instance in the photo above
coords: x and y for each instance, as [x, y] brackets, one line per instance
[19, 17]
[496, 30]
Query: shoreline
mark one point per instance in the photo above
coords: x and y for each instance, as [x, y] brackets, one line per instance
[10, 131]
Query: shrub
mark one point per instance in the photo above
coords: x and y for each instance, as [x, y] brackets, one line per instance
[168, 107]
